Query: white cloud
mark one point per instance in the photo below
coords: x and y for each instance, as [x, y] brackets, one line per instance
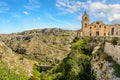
[109, 11]
[96, 8]
[32, 5]
[80, 17]
[15, 15]
[25, 12]
[4, 7]
[33, 1]
[69, 6]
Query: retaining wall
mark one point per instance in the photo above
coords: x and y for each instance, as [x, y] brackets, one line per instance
[113, 51]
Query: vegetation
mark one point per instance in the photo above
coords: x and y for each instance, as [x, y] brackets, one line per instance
[51, 49]
[116, 68]
[36, 73]
[114, 40]
[47, 46]
[8, 74]
[114, 65]
[76, 66]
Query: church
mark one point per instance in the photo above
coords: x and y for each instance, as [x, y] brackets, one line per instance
[97, 28]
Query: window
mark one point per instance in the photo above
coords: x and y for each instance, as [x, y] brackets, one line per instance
[90, 34]
[85, 18]
[100, 26]
[104, 34]
[85, 25]
[95, 26]
[97, 33]
[90, 27]
[112, 31]
[104, 26]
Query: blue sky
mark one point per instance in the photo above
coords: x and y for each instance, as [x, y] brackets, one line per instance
[20, 15]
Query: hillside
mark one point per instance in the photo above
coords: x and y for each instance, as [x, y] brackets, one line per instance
[56, 54]
[47, 46]
[13, 66]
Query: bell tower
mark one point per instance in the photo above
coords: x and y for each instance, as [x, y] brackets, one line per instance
[85, 23]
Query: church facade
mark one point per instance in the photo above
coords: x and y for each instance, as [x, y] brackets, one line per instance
[97, 28]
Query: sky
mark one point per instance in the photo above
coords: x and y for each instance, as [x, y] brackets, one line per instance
[21, 15]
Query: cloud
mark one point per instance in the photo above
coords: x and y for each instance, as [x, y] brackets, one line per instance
[15, 15]
[80, 17]
[109, 11]
[25, 12]
[33, 1]
[69, 6]
[32, 5]
[4, 7]
[96, 8]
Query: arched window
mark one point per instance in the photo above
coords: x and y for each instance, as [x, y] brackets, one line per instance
[104, 34]
[85, 25]
[97, 33]
[116, 33]
[90, 34]
[90, 27]
[112, 31]
[104, 26]
[95, 26]
[85, 18]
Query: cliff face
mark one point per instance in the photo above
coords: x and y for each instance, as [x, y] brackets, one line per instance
[101, 66]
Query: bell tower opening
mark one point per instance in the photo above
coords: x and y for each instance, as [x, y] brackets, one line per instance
[85, 18]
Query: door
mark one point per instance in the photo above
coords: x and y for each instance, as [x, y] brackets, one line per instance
[97, 33]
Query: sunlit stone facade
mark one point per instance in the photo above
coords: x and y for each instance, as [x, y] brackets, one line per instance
[97, 28]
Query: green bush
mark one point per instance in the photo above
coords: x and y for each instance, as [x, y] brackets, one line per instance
[79, 45]
[114, 40]
[7, 74]
[36, 73]
[76, 66]
[34, 78]
[116, 69]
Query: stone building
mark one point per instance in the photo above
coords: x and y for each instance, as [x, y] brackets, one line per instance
[97, 28]
[115, 30]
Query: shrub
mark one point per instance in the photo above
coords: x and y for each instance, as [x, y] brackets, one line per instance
[114, 40]
[36, 73]
[34, 78]
[116, 69]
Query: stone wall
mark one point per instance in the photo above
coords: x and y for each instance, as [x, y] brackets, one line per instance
[113, 51]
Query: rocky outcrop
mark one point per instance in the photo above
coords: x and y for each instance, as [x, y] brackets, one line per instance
[100, 67]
